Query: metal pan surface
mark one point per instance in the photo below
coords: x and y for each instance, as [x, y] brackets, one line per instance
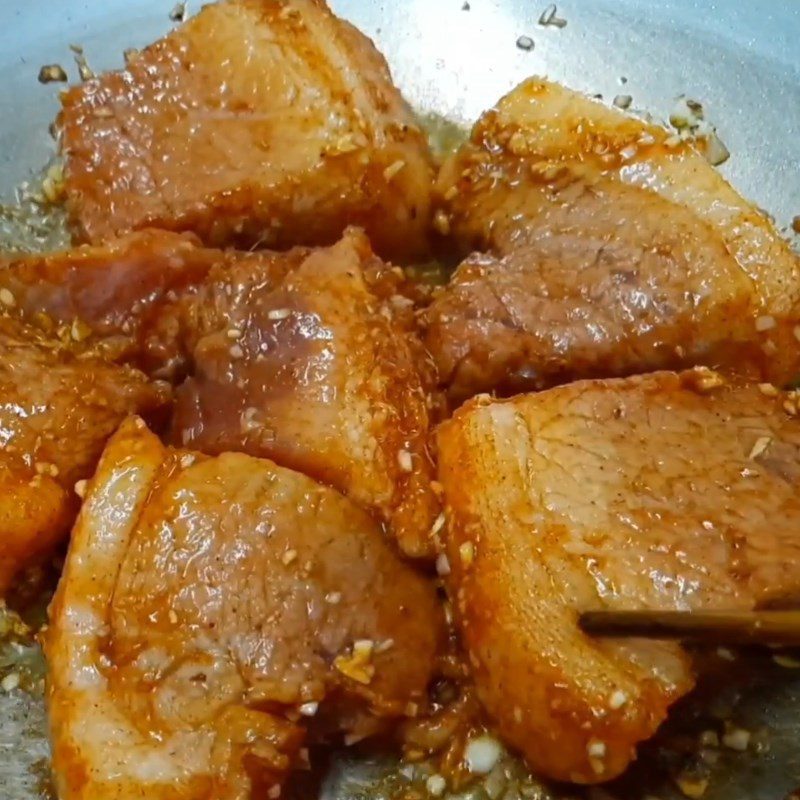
[454, 59]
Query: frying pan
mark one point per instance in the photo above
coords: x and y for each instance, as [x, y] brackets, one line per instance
[453, 59]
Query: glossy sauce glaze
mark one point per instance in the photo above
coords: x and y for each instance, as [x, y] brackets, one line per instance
[215, 612]
[296, 131]
[308, 357]
[108, 297]
[232, 599]
[609, 250]
[664, 491]
[57, 410]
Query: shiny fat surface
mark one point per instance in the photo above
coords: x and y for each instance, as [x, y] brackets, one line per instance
[310, 357]
[740, 60]
[610, 250]
[296, 131]
[57, 411]
[308, 364]
[112, 294]
[545, 124]
[664, 491]
[204, 602]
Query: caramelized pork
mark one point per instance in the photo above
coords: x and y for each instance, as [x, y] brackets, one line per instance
[211, 614]
[300, 362]
[112, 297]
[255, 122]
[665, 491]
[307, 357]
[56, 412]
[608, 248]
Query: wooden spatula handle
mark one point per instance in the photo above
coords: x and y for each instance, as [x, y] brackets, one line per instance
[778, 628]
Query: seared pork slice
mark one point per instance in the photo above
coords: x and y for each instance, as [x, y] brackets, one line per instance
[611, 249]
[56, 412]
[212, 613]
[309, 357]
[36, 513]
[666, 491]
[256, 122]
[612, 280]
[111, 297]
[301, 362]
[121, 297]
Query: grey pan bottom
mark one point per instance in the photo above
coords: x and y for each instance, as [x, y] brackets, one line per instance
[741, 60]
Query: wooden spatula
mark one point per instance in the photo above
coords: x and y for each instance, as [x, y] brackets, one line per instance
[776, 628]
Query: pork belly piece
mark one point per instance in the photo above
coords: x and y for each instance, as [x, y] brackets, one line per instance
[256, 122]
[301, 362]
[215, 612]
[309, 357]
[589, 298]
[111, 297]
[609, 249]
[56, 412]
[666, 491]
